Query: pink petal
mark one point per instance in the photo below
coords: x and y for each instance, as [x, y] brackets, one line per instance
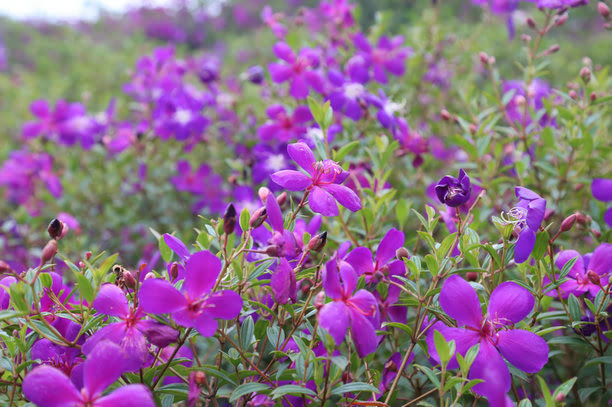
[225, 304]
[363, 334]
[275, 216]
[299, 87]
[525, 350]
[361, 260]
[334, 318]
[291, 180]
[111, 301]
[345, 196]
[302, 155]
[177, 246]
[158, 296]
[602, 189]
[331, 281]
[47, 386]
[490, 367]
[393, 240]
[510, 303]
[460, 301]
[322, 202]
[206, 325]
[202, 268]
[280, 72]
[132, 395]
[103, 366]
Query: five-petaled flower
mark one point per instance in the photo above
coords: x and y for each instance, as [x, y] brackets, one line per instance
[323, 180]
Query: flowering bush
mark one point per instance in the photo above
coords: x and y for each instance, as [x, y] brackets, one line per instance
[340, 215]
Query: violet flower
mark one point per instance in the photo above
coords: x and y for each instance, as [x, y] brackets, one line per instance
[453, 191]
[283, 127]
[131, 330]
[300, 70]
[602, 191]
[527, 216]
[323, 182]
[578, 281]
[349, 96]
[389, 56]
[47, 386]
[283, 283]
[358, 310]
[282, 243]
[508, 305]
[382, 266]
[195, 306]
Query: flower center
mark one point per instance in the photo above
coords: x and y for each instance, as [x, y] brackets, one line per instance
[515, 216]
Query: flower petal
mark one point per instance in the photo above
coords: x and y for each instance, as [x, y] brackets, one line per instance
[206, 324]
[331, 281]
[111, 301]
[525, 350]
[103, 366]
[363, 334]
[601, 260]
[535, 213]
[225, 304]
[47, 386]
[281, 282]
[567, 255]
[464, 340]
[302, 155]
[291, 180]
[113, 332]
[510, 303]
[490, 367]
[602, 189]
[202, 268]
[365, 303]
[132, 395]
[361, 260]
[524, 245]
[158, 296]
[334, 318]
[322, 202]
[393, 240]
[177, 246]
[345, 196]
[275, 216]
[460, 301]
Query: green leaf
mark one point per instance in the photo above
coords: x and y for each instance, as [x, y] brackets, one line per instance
[602, 359]
[443, 348]
[165, 250]
[565, 388]
[46, 280]
[546, 392]
[292, 389]
[247, 331]
[574, 307]
[247, 388]
[245, 217]
[85, 287]
[353, 388]
[345, 149]
[107, 264]
[539, 249]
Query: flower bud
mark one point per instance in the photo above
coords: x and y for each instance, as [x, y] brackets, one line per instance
[49, 251]
[55, 228]
[263, 193]
[526, 37]
[229, 219]
[520, 100]
[473, 129]
[560, 19]
[319, 301]
[572, 93]
[149, 275]
[4, 267]
[199, 378]
[273, 251]
[258, 217]
[471, 276]
[580, 218]
[87, 255]
[255, 74]
[560, 397]
[81, 265]
[484, 58]
[553, 48]
[174, 270]
[129, 280]
[281, 199]
[585, 74]
[568, 223]
[531, 23]
[402, 253]
[593, 97]
[593, 277]
[317, 243]
[596, 233]
[445, 115]
[603, 10]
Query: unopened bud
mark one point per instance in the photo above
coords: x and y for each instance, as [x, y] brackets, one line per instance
[129, 280]
[229, 219]
[572, 93]
[568, 223]
[526, 37]
[174, 270]
[281, 199]
[603, 10]
[484, 58]
[471, 276]
[596, 233]
[531, 23]
[199, 378]
[273, 251]
[520, 100]
[561, 19]
[87, 255]
[553, 48]
[4, 267]
[580, 218]
[593, 96]
[49, 251]
[149, 275]
[258, 217]
[317, 243]
[491, 61]
[585, 74]
[81, 265]
[319, 301]
[15, 333]
[445, 114]
[263, 193]
[473, 129]
[55, 229]
[560, 397]
[593, 277]
[402, 253]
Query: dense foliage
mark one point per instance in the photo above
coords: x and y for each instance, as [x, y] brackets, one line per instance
[327, 203]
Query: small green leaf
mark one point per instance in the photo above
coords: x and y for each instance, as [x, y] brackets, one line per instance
[247, 388]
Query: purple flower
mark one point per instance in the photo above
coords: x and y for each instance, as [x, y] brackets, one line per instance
[578, 281]
[283, 283]
[532, 95]
[203, 183]
[300, 70]
[282, 243]
[509, 304]
[131, 331]
[387, 110]
[527, 216]
[47, 386]
[602, 191]
[454, 192]
[195, 306]
[323, 182]
[349, 96]
[388, 57]
[374, 270]
[358, 310]
[271, 20]
[283, 127]
[390, 371]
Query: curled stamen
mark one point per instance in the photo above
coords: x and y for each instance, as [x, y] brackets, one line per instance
[515, 216]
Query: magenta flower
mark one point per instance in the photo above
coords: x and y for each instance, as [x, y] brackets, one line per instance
[300, 70]
[389, 56]
[282, 243]
[358, 310]
[271, 20]
[323, 180]
[283, 127]
[578, 281]
[349, 96]
[283, 283]
[47, 386]
[602, 191]
[131, 331]
[195, 306]
[509, 304]
[381, 267]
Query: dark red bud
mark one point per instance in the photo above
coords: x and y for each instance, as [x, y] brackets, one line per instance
[561, 19]
[603, 10]
[4, 267]
[445, 114]
[484, 58]
[531, 23]
[553, 48]
[596, 233]
[580, 218]
[473, 129]
[572, 93]
[81, 265]
[593, 277]
[568, 223]
[273, 251]
[229, 219]
[174, 270]
[199, 378]
[129, 280]
[87, 255]
[55, 229]
[526, 37]
[258, 217]
[281, 199]
[402, 253]
[317, 243]
[49, 251]
[471, 276]
[593, 96]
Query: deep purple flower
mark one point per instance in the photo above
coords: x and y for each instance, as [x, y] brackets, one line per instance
[131, 331]
[282, 126]
[47, 386]
[508, 305]
[358, 310]
[383, 266]
[255, 74]
[389, 56]
[602, 191]
[195, 306]
[349, 95]
[527, 216]
[323, 181]
[300, 70]
[178, 114]
[453, 191]
[578, 282]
